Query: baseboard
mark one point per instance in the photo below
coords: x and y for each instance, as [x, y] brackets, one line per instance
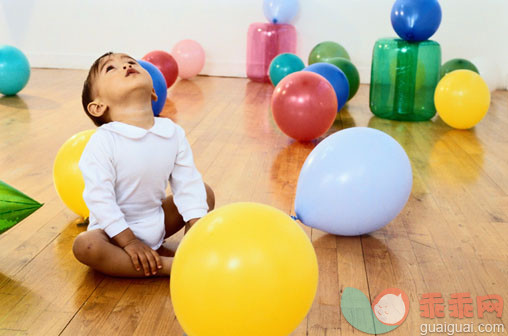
[61, 61]
[212, 68]
[83, 62]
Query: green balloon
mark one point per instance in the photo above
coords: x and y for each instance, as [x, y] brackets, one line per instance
[283, 65]
[326, 50]
[457, 64]
[349, 70]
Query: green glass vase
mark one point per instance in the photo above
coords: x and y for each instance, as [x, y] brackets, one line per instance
[404, 77]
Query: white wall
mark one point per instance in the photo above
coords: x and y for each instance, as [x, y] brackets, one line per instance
[73, 33]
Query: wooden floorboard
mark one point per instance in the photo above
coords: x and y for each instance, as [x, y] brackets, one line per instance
[450, 238]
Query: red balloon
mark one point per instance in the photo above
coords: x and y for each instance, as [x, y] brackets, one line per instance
[165, 63]
[304, 105]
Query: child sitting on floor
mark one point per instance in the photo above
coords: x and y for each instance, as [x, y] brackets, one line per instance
[126, 166]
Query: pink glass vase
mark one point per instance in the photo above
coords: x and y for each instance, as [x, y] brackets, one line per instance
[264, 42]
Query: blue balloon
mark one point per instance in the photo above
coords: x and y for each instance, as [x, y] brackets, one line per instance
[159, 84]
[336, 77]
[416, 20]
[280, 11]
[353, 182]
[14, 70]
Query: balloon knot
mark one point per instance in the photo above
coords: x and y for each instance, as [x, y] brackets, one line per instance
[295, 218]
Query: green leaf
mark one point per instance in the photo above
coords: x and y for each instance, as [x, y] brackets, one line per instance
[14, 206]
[358, 312]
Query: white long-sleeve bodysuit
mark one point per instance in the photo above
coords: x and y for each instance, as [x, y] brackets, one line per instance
[126, 171]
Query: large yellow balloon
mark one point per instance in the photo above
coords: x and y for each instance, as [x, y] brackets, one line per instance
[245, 269]
[462, 99]
[67, 177]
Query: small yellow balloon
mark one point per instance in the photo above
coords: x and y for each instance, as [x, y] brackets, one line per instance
[244, 269]
[67, 176]
[462, 99]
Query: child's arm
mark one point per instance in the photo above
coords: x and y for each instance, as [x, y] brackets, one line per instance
[96, 165]
[186, 183]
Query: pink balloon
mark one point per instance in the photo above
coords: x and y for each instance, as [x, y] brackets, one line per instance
[190, 57]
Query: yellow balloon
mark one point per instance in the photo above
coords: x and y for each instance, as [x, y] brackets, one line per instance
[244, 269]
[462, 99]
[67, 177]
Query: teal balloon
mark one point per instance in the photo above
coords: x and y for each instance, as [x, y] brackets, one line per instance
[457, 64]
[283, 65]
[14, 70]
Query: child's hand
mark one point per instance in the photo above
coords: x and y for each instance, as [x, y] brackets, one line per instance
[141, 253]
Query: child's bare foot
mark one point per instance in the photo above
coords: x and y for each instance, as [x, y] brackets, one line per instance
[167, 262]
[168, 249]
[163, 251]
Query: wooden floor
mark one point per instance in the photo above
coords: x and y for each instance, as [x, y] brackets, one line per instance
[451, 237]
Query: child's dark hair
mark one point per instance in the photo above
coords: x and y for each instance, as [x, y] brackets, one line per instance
[86, 95]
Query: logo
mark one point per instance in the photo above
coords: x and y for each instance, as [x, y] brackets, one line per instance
[389, 310]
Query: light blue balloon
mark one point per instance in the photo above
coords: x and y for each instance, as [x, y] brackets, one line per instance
[353, 182]
[280, 11]
[14, 70]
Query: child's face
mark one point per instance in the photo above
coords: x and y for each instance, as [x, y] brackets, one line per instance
[118, 77]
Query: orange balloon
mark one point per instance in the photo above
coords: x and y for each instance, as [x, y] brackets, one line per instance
[304, 105]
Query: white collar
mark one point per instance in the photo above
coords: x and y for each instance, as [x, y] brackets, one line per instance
[162, 127]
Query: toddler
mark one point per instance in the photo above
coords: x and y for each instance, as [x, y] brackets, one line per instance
[127, 165]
